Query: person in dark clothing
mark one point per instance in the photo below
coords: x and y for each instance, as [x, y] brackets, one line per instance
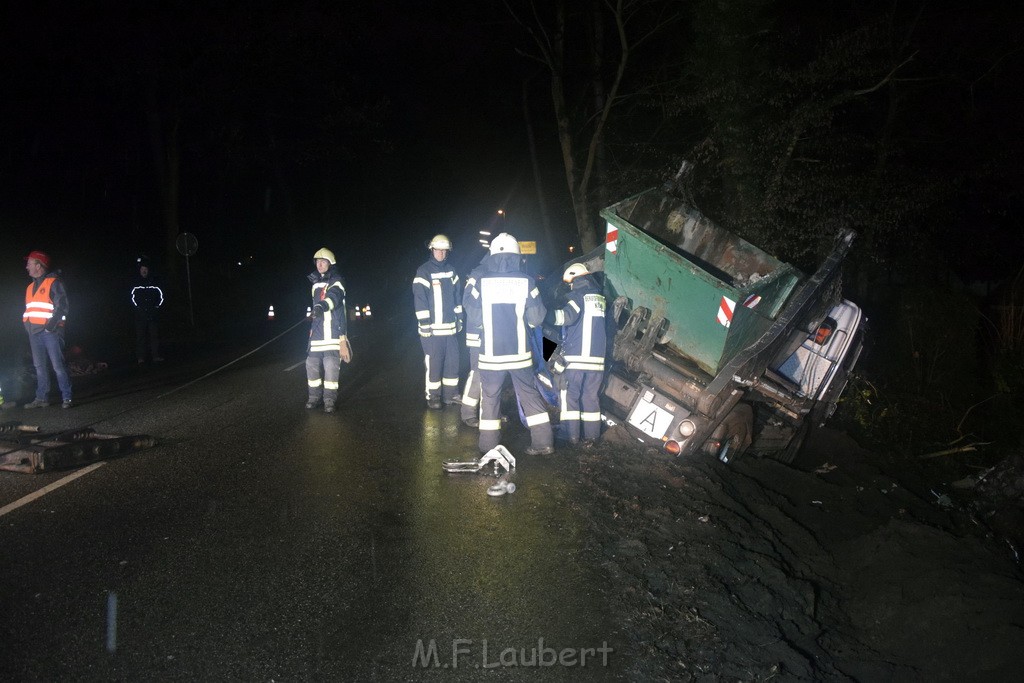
[147, 297]
[583, 348]
[328, 338]
[46, 311]
[437, 298]
[502, 304]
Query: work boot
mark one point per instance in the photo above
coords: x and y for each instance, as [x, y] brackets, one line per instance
[471, 422]
[312, 403]
[328, 407]
[546, 450]
[38, 403]
[455, 400]
[66, 403]
[434, 404]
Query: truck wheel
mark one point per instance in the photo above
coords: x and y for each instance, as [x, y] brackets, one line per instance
[735, 433]
[788, 454]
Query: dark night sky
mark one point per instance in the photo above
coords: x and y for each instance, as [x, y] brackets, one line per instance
[441, 147]
[362, 126]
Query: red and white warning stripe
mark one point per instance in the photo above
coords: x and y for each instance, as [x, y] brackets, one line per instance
[752, 300]
[725, 310]
[611, 238]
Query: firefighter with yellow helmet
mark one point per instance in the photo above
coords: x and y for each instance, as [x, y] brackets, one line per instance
[437, 300]
[328, 338]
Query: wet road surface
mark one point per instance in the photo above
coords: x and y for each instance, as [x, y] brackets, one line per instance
[263, 541]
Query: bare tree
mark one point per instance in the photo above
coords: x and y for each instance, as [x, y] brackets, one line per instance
[582, 117]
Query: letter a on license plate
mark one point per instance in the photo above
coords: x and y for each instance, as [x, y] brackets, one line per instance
[650, 419]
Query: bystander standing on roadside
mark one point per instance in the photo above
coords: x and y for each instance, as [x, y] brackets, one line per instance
[46, 311]
[147, 297]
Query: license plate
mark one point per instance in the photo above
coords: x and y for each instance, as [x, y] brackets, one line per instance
[650, 419]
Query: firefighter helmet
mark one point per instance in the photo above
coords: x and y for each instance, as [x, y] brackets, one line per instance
[440, 242]
[574, 271]
[325, 253]
[504, 244]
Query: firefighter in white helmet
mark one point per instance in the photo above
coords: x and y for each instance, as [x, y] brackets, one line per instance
[502, 303]
[437, 299]
[580, 361]
[328, 338]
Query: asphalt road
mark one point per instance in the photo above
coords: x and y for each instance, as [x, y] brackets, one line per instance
[262, 541]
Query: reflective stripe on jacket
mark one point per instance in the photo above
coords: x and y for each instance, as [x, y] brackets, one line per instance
[327, 330]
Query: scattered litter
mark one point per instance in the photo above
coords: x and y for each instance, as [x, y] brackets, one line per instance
[827, 467]
[705, 519]
[816, 502]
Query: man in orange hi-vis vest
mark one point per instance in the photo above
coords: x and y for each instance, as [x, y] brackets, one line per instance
[46, 310]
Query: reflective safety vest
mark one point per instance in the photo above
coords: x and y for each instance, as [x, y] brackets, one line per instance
[38, 304]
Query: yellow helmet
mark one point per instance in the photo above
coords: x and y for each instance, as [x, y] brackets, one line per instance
[325, 253]
[440, 242]
[574, 271]
[504, 244]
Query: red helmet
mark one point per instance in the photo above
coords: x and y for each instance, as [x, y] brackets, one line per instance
[39, 256]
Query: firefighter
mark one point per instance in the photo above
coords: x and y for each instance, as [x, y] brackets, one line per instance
[471, 390]
[46, 310]
[147, 297]
[581, 361]
[437, 299]
[328, 341]
[502, 303]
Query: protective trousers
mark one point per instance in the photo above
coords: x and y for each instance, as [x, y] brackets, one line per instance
[534, 408]
[323, 386]
[579, 402]
[471, 392]
[441, 359]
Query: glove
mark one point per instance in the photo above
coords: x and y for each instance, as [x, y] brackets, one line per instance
[345, 349]
[318, 310]
[51, 325]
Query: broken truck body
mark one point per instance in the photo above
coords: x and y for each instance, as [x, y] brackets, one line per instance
[718, 346]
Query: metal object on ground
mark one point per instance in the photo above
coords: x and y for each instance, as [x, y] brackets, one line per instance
[24, 449]
[498, 455]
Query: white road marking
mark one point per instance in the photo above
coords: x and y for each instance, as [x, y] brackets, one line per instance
[51, 487]
[289, 369]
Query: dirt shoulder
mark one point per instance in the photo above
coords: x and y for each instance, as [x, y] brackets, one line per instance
[759, 569]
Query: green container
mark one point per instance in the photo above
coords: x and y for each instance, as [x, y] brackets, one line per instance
[719, 293]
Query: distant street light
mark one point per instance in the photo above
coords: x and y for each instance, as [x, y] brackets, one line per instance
[501, 212]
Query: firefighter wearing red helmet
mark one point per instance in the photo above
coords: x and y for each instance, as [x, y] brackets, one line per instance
[437, 299]
[46, 311]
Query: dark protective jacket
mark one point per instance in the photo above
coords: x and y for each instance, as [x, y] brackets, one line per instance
[437, 298]
[46, 304]
[584, 339]
[327, 329]
[473, 333]
[147, 296]
[503, 304]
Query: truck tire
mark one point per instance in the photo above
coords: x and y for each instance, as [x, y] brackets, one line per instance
[736, 430]
[788, 454]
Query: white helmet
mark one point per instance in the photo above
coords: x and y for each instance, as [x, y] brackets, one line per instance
[440, 242]
[504, 244]
[325, 253]
[573, 271]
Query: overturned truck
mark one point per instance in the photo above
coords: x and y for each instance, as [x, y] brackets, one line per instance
[718, 346]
